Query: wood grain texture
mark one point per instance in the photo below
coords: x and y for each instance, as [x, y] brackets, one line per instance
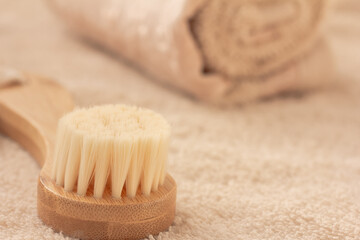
[29, 114]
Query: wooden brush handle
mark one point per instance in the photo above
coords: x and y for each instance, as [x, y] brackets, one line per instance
[29, 113]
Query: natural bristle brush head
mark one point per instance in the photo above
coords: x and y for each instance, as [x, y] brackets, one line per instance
[122, 146]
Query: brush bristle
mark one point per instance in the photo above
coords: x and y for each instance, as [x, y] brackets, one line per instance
[122, 145]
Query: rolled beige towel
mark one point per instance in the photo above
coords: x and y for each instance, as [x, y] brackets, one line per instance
[223, 51]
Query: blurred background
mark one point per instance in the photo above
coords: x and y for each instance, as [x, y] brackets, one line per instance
[263, 97]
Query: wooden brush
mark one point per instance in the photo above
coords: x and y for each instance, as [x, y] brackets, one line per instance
[105, 177]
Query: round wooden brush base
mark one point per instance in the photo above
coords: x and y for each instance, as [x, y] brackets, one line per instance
[106, 218]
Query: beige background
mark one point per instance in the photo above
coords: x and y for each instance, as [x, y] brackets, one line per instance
[286, 168]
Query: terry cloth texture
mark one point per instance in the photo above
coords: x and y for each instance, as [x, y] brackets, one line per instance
[222, 51]
[284, 168]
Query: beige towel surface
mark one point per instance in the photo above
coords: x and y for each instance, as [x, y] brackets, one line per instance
[286, 168]
[221, 51]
